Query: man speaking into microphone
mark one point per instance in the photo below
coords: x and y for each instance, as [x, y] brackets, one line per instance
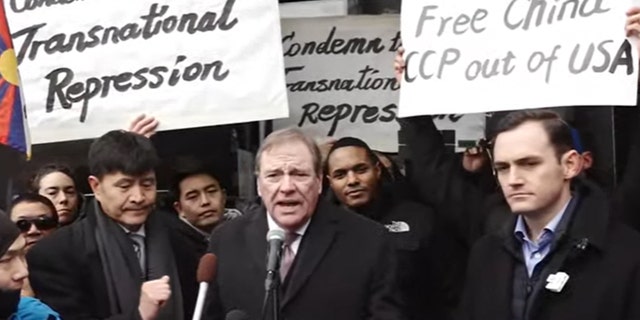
[334, 265]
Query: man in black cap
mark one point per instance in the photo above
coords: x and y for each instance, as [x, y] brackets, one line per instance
[13, 272]
[361, 184]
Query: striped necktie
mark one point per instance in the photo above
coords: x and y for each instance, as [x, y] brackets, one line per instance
[138, 245]
[288, 254]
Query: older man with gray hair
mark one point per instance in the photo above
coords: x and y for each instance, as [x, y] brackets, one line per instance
[334, 264]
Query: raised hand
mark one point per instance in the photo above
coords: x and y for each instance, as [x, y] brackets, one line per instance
[399, 65]
[144, 125]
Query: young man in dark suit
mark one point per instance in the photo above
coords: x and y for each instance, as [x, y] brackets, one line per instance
[335, 264]
[120, 262]
[561, 256]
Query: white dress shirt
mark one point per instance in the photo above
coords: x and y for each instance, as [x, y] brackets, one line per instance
[296, 244]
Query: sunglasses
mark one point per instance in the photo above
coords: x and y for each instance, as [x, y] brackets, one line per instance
[41, 223]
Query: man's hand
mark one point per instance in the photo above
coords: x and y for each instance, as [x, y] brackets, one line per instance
[474, 159]
[632, 28]
[399, 65]
[153, 295]
[633, 22]
[144, 125]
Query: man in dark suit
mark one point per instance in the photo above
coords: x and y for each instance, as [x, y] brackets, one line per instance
[335, 265]
[561, 255]
[120, 262]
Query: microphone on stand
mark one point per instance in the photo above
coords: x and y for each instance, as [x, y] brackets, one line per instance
[206, 273]
[275, 238]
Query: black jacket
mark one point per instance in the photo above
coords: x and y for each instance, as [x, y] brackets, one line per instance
[467, 204]
[412, 227]
[464, 201]
[604, 275]
[66, 273]
[626, 199]
[193, 246]
[199, 242]
[345, 269]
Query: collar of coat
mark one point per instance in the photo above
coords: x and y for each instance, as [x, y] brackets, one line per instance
[589, 220]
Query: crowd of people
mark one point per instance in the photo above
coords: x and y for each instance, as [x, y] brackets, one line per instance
[513, 228]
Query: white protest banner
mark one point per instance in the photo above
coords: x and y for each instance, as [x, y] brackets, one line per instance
[469, 56]
[92, 66]
[341, 83]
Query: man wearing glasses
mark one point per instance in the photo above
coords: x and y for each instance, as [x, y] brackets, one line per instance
[35, 216]
[13, 274]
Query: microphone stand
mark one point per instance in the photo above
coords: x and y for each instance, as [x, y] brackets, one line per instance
[272, 292]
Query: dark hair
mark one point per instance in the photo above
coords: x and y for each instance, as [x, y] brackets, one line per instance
[33, 184]
[351, 142]
[122, 151]
[185, 168]
[558, 131]
[385, 175]
[33, 198]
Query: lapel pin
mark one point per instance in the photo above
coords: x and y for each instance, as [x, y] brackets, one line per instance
[398, 226]
[556, 281]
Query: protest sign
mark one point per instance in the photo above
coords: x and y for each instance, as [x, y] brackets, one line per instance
[92, 66]
[469, 56]
[341, 83]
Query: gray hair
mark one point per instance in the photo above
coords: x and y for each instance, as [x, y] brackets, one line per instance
[284, 136]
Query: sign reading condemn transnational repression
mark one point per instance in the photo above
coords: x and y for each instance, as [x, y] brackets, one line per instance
[341, 82]
[91, 66]
[469, 56]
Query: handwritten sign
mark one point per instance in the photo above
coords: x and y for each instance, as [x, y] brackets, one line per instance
[91, 66]
[469, 56]
[341, 83]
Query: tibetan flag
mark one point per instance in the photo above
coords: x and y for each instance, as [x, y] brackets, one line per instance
[14, 131]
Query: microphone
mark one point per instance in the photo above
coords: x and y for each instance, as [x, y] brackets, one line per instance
[275, 238]
[236, 315]
[206, 273]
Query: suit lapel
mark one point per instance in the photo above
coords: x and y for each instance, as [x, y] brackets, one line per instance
[315, 244]
[98, 282]
[500, 276]
[255, 237]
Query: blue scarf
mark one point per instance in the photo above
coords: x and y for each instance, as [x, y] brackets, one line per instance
[34, 309]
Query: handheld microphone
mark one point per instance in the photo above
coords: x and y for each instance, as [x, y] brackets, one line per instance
[236, 315]
[275, 239]
[206, 273]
